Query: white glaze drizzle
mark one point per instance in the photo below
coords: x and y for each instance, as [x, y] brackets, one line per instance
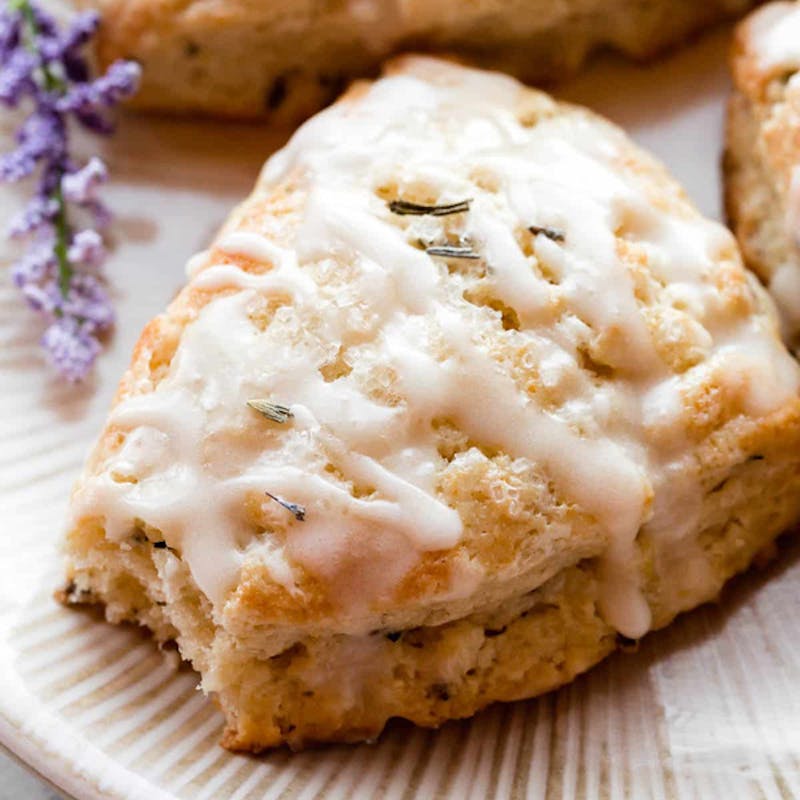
[774, 31]
[198, 453]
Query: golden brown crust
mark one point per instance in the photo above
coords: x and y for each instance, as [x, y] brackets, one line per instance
[284, 666]
[244, 58]
[762, 149]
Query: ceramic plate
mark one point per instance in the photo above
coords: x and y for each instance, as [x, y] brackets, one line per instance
[708, 708]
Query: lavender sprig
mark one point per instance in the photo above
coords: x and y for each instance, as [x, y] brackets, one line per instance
[60, 275]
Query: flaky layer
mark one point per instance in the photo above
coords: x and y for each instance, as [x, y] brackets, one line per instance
[345, 688]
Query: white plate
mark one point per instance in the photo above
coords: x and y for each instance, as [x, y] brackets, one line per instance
[708, 708]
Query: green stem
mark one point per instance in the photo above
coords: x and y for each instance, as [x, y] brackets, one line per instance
[61, 244]
[51, 83]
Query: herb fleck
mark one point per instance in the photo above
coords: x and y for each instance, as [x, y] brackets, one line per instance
[451, 251]
[296, 509]
[273, 411]
[403, 207]
[554, 234]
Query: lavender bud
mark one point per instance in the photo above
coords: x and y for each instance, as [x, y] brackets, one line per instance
[44, 298]
[16, 77]
[81, 186]
[95, 122]
[39, 212]
[9, 34]
[120, 81]
[16, 165]
[45, 23]
[81, 29]
[87, 249]
[88, 301]
[71, 348]
[57, 48]
[35, 265]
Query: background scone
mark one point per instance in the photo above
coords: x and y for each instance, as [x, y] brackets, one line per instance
[247, 58]
[762, 164]
[516, 398]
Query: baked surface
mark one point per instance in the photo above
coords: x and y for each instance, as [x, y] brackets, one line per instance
[763, 153]
[551, 410]
[246, 58]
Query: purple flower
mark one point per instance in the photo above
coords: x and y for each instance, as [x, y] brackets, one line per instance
[45, 23]
[35, 265]
[120, 81]
[81, 186]
[42, 136]
[81, 29]
[45, 298]
[16, 77]
[39, 211]
[94, 121]
[87, 248]
[59, 275]
[10, 24]
[64, 48]
[71, 347]
[88, 301]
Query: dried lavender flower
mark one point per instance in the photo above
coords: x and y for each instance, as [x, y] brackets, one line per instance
[59, 276]
[404, 207]
[554, 234]
[297, 511]
[274, 411]
[452, 251]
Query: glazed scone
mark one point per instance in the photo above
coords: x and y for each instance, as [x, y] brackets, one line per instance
[464, 391]
[246, 58]
[762, 164]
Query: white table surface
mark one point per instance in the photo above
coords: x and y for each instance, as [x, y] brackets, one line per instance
[16, 783]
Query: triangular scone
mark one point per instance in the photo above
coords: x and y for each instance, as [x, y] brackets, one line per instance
[284, 60]
[464, 390]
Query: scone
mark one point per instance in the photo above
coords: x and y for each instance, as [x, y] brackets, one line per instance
[246, 58]
[762, 163]
[465, 393]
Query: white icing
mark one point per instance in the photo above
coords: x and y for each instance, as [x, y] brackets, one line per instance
[775, 36]
[358, 286]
